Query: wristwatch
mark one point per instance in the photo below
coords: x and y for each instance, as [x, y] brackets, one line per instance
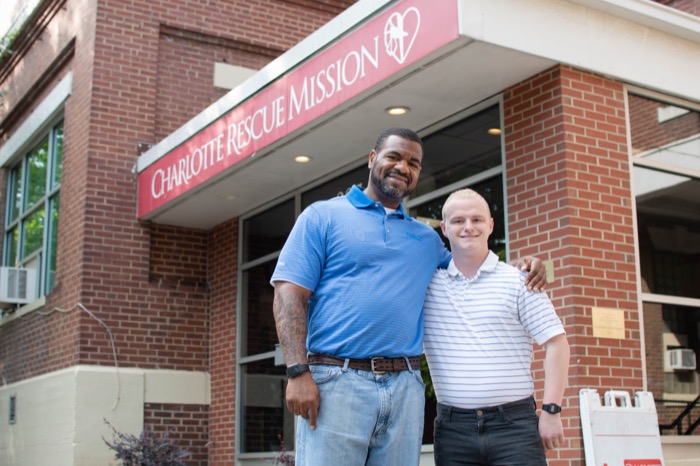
[551, 408]
[296, 370]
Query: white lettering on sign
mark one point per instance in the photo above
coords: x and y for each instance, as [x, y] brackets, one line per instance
[264, 120]
[329, 81]
[373, 52]
[253, 127]
[182, 170]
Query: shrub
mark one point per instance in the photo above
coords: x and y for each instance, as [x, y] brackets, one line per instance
[284, 458]
[148, 449]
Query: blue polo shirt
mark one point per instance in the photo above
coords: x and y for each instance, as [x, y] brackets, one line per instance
[368, 272]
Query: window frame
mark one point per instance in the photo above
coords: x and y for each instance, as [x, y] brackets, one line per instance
[666, 168]
[40, 257]
[48, 113]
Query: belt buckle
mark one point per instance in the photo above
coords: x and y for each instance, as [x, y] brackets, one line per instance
[372, 362]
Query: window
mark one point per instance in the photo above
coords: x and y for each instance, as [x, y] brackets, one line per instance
[32, 209]
[461, 154]
[264, 418]
[665, 142]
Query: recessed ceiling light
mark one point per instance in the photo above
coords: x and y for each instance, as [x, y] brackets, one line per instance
[494, 131]
[302, 159]
[230, 197]
[396, 111]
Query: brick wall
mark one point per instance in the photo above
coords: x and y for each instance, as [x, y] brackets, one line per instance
[223, 258]
[133, 60]
[186, 69]
[178, 256]
[43, 342]
[186, 425]
[569, 201]
[36, 49]
[118, 269]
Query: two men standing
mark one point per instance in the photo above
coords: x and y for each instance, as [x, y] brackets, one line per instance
[349, 289]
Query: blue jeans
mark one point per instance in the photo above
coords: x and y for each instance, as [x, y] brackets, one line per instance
[364, 419]
[505, 435]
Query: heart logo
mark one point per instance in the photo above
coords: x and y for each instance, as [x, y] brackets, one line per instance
[400, 33]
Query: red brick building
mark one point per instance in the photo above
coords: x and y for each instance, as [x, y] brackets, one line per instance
[145, 203]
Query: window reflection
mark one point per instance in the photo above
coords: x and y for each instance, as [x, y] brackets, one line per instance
[53, 242]
[259, 321]
[12, 245]
[663, 131]
[668, 218]
[33, 233]
[15, 192]
[668, 201]
[337, 187]
[265, 418]
[266, 232]
[58, 157]
[669, 355]
[459, 151]
[36, 166]
[666, 148]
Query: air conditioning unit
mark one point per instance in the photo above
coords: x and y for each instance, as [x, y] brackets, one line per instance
[17, 285]
[680, 359]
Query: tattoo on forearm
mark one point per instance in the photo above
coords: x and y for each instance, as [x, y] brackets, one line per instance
[292, 326]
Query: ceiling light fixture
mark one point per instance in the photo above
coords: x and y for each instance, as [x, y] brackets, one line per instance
[494, 131]
[396, 111]
[302, 159]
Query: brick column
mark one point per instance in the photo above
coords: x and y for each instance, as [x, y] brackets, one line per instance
[569, 201]
[223, 260]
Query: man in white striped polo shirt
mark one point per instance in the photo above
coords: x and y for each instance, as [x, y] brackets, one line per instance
[480, 324]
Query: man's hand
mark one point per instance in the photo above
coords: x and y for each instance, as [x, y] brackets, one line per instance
[303, 398]
[537, 278]
[551, 431]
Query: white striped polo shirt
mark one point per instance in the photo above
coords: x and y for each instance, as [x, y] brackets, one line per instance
[479, 334]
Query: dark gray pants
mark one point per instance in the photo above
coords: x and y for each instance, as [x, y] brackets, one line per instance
[505, 435]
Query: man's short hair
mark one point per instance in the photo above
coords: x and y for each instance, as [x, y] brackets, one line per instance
[465, 193]
[403, 133]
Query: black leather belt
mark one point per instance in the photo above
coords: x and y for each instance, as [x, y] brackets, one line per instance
[378, 365]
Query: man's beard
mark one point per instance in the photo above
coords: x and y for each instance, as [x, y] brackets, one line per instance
[386, 189]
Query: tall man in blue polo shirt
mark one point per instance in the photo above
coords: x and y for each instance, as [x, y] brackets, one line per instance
[349, 289]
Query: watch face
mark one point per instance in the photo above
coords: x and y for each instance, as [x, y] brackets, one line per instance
[551, 408]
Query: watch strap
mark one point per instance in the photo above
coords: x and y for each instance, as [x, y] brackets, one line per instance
[296, 370]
